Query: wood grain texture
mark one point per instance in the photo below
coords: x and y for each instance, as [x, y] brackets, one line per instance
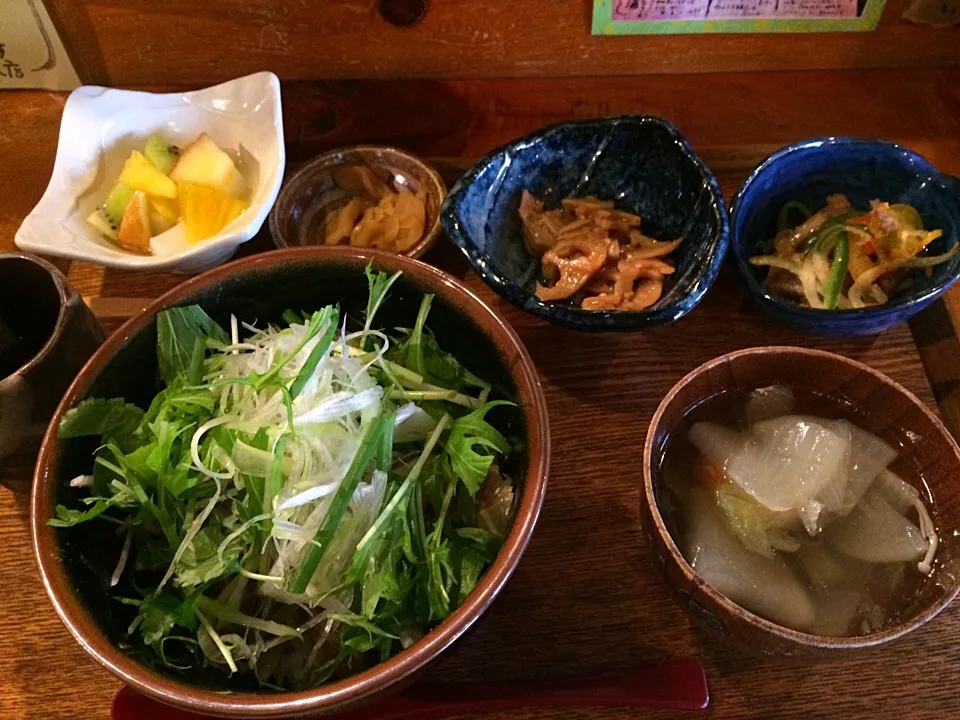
[585, 597]
[140, 42]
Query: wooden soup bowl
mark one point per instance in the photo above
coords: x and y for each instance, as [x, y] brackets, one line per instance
[888, 410]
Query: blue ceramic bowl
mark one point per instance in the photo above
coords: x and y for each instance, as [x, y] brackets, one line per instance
[863, 170]
[639, 161]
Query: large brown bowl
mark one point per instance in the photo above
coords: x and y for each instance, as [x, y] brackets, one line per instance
[262, 287]
[886, 409]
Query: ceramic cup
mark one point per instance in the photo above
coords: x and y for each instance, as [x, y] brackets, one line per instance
[46, 336]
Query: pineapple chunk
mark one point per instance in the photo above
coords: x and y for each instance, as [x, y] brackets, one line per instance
[134, 234]
[206, 211]
[204, 163]
[166, 208]
[141, 174]
[158, 223]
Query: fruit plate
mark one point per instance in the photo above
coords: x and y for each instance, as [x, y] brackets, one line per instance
[100, 128]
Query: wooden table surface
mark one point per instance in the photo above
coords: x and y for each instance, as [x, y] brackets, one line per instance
[585, 597]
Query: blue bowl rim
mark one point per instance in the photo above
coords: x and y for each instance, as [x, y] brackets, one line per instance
[569, 315]
[804, 315]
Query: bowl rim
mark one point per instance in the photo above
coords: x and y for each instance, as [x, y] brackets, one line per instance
[29, 237]
[572, 316]
[430, 235]
[357, 688]
[648, 497]
[64, 295]
[853, 316]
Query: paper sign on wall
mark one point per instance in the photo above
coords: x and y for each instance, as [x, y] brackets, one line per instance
[31, 53]
[625, 17]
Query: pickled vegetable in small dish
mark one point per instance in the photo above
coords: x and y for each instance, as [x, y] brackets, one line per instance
[595, 255]
[376, 214]
[842, 257]
[163, 186]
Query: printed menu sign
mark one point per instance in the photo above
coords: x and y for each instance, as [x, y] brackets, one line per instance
[618, 17]
[31, 54]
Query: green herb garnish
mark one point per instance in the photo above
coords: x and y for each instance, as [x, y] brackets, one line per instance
[307, 491]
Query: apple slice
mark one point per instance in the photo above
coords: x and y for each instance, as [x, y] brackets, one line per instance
[141, 174]
[204, 163]
[134, 234]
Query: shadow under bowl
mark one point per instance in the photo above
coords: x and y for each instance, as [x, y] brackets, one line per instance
[75, 563]
[862, 169]
[309, 199]
[884, 408]
[641, 162]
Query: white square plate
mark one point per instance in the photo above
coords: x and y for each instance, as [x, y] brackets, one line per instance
[99, 129]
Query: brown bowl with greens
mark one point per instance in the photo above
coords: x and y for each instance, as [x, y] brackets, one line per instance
[290, 483]
[801, 503]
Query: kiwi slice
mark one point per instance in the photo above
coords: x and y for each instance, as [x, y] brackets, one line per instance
[98, 221]
[161, 153]
[116, 203]
[106, 218]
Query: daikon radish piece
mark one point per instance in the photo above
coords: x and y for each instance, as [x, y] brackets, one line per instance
[869, 455]
[718, 444]
[836, 611]
[875, 532]
[770, 402]
[760, 584]
[782, 463]
[821, 565]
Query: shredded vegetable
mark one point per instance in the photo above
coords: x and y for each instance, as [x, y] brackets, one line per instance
[842, 258]
[300, 500]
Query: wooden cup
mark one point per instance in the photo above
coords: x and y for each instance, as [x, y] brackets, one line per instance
[889, 410]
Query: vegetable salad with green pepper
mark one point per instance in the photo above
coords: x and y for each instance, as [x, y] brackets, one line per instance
[297, 502]
[845, 258]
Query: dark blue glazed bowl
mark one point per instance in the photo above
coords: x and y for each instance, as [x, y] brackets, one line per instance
[639, 161]
[863, 170]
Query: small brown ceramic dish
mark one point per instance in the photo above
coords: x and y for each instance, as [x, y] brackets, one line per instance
[886, 409]
[262, 287]
[309, 199]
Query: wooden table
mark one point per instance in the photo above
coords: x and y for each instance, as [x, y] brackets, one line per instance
[585, 597]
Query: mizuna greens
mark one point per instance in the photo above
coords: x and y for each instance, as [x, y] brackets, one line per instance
[298, 501]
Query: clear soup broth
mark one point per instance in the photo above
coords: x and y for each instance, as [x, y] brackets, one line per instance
[782, 501]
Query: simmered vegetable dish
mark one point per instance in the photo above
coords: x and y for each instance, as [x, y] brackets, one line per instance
[842, 257]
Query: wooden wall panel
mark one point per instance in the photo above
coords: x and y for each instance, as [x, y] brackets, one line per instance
[195, 42]
[737, 118]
